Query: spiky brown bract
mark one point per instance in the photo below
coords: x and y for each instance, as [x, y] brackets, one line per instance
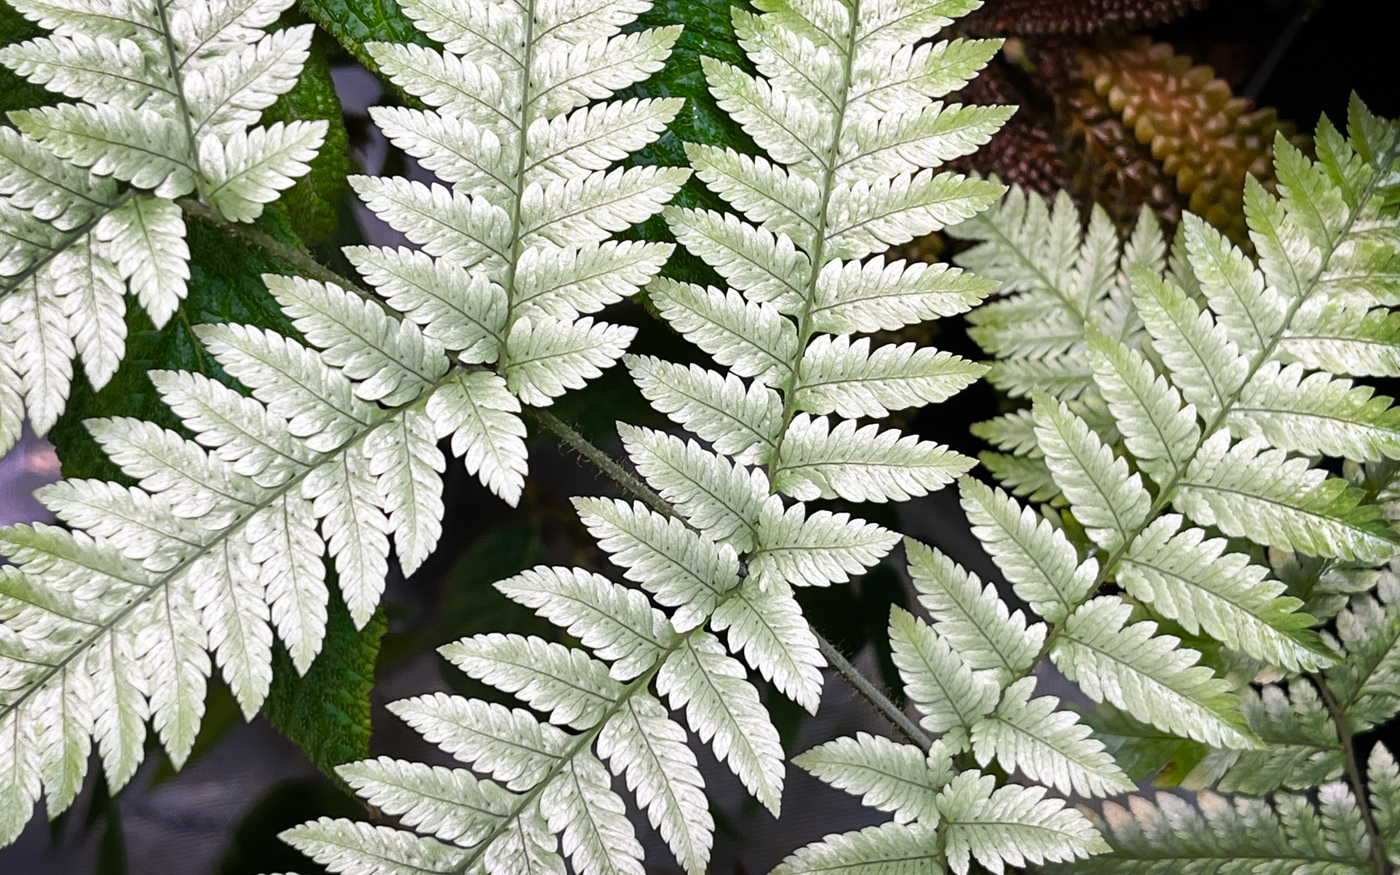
[1204, 136]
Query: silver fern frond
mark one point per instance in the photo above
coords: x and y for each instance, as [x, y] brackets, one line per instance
[220, 545]
[716, 543]
[166, 100]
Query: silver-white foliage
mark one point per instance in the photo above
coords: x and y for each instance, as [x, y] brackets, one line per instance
[515, 247]
[1192, 400]
[1208, 385]
[1291, 810]
[609, 706]
[220, 546]
[1143, 401]
[844, 109]
[732, 546]
[166, 97]
[942, 820]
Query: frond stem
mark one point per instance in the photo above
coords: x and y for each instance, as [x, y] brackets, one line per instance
[522, 141]
[818, 253]
[570, 436]
[177, 80]
[872, 694]
[293, 255]
[1353, 770]
[582, 742]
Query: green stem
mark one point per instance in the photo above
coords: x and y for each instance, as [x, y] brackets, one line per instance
[882, 703]
[293, 255]
[1353, 770]
[177, 82]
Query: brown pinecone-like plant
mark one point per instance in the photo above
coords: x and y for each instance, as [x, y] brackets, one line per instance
[1202, 134]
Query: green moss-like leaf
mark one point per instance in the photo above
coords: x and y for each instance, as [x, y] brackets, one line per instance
[356, 22]
[313, 202]
[326, 712]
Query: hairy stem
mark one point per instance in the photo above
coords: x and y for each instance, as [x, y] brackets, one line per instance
[1353, 770]
[600, 460]
[293, 255]
[872, 694]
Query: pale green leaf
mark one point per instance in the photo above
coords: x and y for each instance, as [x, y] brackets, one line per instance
[974, 620]
[950, 695]
[1040, 564]
[887, 775]
[1011, 826]
[1046, 744]
[1148, 675]
[683, 569]
[1110, 502]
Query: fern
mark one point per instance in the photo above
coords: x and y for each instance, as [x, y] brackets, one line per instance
[1199, 411]
[1289, 807]
[166, 99]
[715, 542]
[221, 543]
[1143, 403]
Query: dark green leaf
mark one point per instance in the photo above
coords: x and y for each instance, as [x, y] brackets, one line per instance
[1141, 750]
[313, 202]
[708, 31]
[254, 846]
[326, 712]
[356, 22]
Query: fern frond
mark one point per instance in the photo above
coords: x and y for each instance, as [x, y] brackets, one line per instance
[1276, 837]
[1147, 675]
[166, 100]
[938, 681]
[731, 549]
[1048, 745]
[1011, 825]
[899, 778]
[1217, 379]
[340, 434]
[891, 847]
[1039, 562]
[974, 620]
